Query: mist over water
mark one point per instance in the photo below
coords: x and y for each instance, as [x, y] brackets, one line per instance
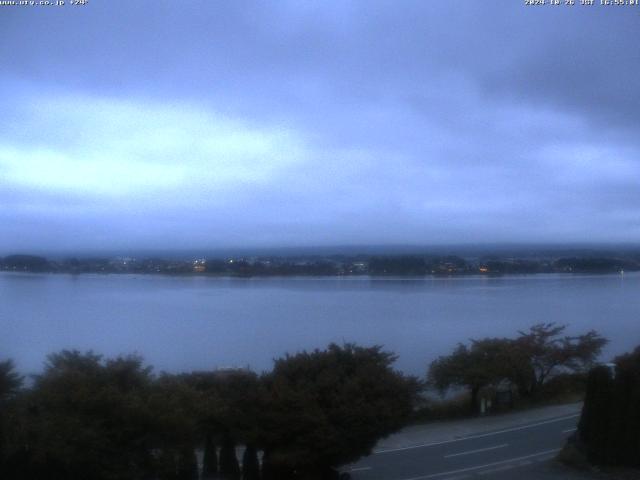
[187, 323]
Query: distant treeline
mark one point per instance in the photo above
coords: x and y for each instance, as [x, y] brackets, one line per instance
[324, 266]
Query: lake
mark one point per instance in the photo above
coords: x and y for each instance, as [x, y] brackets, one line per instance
[186, 323]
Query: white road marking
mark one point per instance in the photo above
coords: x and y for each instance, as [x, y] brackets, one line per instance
[469, 452]
[569, 430]
[481, 435]
[360, 469]
[478, 467]
[497, 469]
[544, 459]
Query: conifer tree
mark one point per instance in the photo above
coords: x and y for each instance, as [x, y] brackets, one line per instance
[250, 464]
[229, 467]
[210, 458]
[596, 415]
[187, 464]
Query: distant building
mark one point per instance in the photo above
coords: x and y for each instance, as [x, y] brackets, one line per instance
[200, 266]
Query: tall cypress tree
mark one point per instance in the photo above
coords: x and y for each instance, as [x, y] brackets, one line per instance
[250, 464]
[627, 410]
[187, 464]
[609, 427]
[267, 469]
[229, 467]
[167, 468]
[10, 383]
[210, 459]
[274, 470]
[597, 415]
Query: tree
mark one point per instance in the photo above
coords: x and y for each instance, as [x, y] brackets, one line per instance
[26, 263]
[10, 383]
[609, 427]
[330, 407]
[595, 422]
[210, 458]
[527, 361]
[86, 418]
[187, 463]
[176, 408]
[397, 266]
[541, 352]
[474, 367]
[627, 408]
[250, 464]
[230, 406]
[229, 466]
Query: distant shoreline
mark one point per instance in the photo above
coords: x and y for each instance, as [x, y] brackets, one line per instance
[329, 266]
[362, 277]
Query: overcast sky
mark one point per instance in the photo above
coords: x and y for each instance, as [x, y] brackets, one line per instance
[202, 124]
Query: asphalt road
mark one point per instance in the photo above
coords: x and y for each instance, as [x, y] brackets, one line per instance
[491, 454]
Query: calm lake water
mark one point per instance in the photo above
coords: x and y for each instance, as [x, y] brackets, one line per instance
[185, 323]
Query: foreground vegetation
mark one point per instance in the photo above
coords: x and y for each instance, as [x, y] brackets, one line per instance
[527, 364]
[86, 417]
[89, 417]
[609, 428]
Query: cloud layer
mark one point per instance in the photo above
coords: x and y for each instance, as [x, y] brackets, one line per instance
[200, 125]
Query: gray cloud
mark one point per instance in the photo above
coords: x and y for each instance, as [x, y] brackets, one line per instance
[245, 123]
